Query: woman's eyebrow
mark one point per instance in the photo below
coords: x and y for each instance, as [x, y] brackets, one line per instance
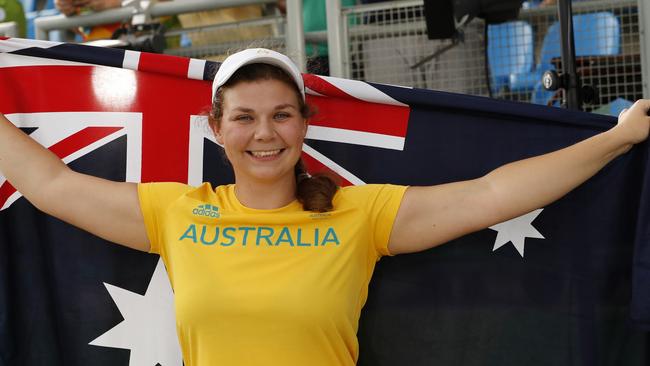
[243, 109]
[285, 105]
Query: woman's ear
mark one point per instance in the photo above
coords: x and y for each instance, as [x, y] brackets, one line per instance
[218, 135]
[214, 126]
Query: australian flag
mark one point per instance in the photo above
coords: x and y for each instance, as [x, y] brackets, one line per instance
[567, 284]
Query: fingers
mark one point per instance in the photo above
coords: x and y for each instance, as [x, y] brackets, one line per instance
[639, 109]
[643, 104]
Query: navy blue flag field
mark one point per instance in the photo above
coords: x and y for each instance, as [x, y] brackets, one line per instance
[564, 285]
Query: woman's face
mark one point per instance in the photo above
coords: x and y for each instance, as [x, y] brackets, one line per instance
[262, 130]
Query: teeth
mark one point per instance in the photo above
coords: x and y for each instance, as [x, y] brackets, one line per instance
[263, 154]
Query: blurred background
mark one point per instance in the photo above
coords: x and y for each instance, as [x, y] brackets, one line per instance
[494, 48]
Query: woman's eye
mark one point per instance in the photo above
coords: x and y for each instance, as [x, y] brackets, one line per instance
[244, 118]
[282, 115]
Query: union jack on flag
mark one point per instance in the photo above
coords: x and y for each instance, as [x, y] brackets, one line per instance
[69, 298]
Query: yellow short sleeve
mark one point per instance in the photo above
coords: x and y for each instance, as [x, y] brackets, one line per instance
[381, 203]
[154, 199]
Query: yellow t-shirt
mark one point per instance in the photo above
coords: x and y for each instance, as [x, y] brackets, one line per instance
[268, 287]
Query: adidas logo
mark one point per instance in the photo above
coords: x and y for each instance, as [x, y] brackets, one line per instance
[206, 210]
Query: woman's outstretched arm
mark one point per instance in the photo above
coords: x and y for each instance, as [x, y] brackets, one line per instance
[108, 209]
[429, 216]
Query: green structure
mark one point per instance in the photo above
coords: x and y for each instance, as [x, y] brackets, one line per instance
[12, 11]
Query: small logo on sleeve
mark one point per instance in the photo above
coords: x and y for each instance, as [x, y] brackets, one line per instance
[320, 215]
[206, 210]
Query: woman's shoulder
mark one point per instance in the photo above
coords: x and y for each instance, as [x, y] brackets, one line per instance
[369, 188]
[368, 192]
[179, 189]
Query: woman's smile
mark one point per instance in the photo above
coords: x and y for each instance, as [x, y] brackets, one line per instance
[265, 154]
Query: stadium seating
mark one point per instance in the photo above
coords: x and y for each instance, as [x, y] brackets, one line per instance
[510, 52]
[595, 34]
[32, 12]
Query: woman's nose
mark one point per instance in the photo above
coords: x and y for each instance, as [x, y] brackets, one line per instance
[264, 130]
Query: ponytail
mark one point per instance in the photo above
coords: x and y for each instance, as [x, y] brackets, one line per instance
[315, 193]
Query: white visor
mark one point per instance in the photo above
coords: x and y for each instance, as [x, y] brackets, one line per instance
[256, 56]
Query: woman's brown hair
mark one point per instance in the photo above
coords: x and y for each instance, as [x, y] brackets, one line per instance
[316, 192]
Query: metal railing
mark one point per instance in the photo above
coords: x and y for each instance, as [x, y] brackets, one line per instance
[351, 37]
[294, 27]
[644, 43]
[387, 43]
[339, 32]
[205, 46]
[9, 29]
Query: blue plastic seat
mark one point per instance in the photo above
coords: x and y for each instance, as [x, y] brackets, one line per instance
[617, 105]
[31, 31]
[510, 52]
[595, 34]
[28, 5]
[31, 13]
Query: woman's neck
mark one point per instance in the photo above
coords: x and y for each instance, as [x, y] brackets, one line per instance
[266, 196]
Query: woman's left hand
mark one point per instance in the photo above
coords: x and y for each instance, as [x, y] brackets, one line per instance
[634, 123]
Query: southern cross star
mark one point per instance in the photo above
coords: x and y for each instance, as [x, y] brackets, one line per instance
[516, 231]
[149, 325]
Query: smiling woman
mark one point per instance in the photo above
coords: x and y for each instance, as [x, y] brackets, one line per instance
[292, 254]
[275, 268]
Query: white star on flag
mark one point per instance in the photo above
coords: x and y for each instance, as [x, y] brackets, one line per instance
[149, 325]
[516, 231]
